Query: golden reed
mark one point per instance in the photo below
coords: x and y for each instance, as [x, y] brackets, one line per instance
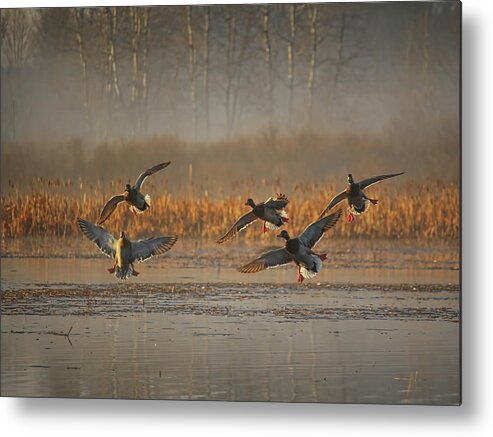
[423, 211]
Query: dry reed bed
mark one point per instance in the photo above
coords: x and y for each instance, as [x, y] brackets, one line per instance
[422, 211]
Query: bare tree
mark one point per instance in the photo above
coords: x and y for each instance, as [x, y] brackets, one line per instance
[239, 88]
[19, 44]
[268, 59]
[230, 18]
[206, 69]
[191, 69]
[111, 15]
[287, 32]
[291, 45]
[78, 17]
[144, 108]
[313, 13]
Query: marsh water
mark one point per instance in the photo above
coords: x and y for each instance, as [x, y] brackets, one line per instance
[380, 324]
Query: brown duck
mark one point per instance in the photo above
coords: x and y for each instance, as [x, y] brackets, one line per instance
[122, 250]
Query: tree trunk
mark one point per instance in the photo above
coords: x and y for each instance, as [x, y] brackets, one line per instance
[191, 68]
[136, 31]
[83, 63]
[144, 110]
[338, 62]
[313, 17]
[206, 70]
[230, 47]
[291, 43]
[112, 17]
[426, 53]
[268, 60]
[13, 104]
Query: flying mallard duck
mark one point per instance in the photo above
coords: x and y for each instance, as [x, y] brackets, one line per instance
[297, 249]
[357, 200]
[271, 212]
[122, 250]
[132, 195]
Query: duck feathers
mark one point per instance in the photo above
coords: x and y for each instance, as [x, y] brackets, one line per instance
[99, 236]
[365, 183]
[110, 207]
[244, 221]
[145, 249]
[280, 202]
[271, 259]
[315, 231]
[150, 171]
[335, 200]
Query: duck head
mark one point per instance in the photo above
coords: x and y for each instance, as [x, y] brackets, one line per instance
[350, 179]
[128, 187]
[250, 202]
[284, 234]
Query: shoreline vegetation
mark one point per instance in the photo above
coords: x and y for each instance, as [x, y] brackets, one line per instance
[45, 187]
[428, 210]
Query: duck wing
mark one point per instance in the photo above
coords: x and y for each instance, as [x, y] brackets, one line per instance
[373, 180]
[145, 249]
[99, 236]
[335, 200]
[109, 208]
[150, 171]
[273, 258]
[241, 223]
[315, 231]
[280, 202]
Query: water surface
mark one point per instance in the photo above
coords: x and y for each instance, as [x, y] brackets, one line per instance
[361, 331]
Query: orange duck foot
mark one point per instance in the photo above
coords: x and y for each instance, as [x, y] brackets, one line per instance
[112, 270]
[350, 218]
[134, 273]
[300, 276]
[264, 228]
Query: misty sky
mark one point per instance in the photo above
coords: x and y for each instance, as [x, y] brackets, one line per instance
[208, 73]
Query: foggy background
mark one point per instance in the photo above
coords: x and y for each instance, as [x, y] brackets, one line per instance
[363, 88]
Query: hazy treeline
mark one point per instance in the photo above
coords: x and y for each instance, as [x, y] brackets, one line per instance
[261, 163]
[212, 72]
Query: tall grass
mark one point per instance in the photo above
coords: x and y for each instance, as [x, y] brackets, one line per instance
[46, 187]
[425, 210]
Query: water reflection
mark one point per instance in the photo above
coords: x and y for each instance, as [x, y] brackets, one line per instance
[152, 356]
[377, 327]
[15, 271]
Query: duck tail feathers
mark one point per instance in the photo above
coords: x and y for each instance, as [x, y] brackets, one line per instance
[136, 210]
[271, 226]
[122, 273]
[308, 273]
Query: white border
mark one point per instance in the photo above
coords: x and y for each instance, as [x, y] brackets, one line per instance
[58, 417]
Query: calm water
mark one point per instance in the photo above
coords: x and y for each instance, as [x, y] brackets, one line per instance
[20, 272]
[362, 334]
[164, 356]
